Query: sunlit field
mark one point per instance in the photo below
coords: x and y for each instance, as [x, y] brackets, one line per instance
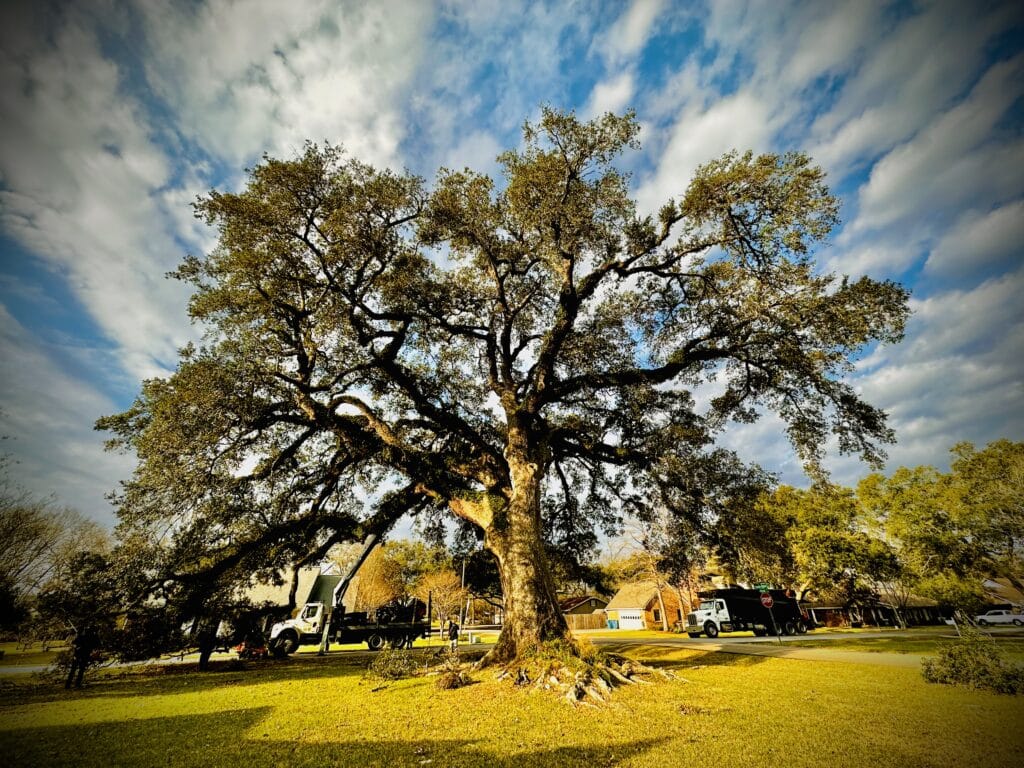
[318, 711]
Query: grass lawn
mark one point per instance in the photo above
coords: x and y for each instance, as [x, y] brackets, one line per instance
[323, 711]
[30, 657]
[1011, 647]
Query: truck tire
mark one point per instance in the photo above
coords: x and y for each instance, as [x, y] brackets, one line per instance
[375, 642]
[287, 643]
[801, 627]
[982, 623]
[788, 628]
[1017, 622]
[711, 629]
[693, 634]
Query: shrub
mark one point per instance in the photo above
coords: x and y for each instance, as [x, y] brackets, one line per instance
[391, 664]
[974, 661]
[452, 676]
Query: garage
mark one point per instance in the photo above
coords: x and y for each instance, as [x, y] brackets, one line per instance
[631, 619]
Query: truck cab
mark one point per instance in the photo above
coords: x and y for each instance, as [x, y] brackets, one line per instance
[711, 617]
[302, 630]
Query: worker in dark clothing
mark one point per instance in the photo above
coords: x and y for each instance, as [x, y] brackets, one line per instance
[82, 647]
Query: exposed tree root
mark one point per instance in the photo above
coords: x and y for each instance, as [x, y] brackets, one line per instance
[582, 680]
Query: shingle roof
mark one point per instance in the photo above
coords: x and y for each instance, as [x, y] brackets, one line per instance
[636, 594]
[261, 592]
[569, 603]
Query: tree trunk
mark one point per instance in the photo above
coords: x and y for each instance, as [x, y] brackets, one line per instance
[661, 604]
[532, 614]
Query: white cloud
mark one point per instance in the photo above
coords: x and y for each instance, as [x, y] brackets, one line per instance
[478, 151]
[702, 133]
[48, 415]
[630, 32]
[908, 72]
[79, 174]
[612, 95]
[980, 241]
[951, 160]
[251, 77]
[959, 374]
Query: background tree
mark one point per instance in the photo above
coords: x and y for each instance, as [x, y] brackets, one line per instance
[936, 538]
[832, 552]
[503, 354]
[444, 589]
[38, 541]
[380, 581]
[988, 487]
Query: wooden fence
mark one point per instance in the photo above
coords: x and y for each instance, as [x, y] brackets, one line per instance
[595, 620]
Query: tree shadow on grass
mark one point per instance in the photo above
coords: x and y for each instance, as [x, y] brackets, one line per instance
[242, 737]
[165, 679]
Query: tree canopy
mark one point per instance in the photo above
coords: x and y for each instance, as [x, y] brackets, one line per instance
[521, 354]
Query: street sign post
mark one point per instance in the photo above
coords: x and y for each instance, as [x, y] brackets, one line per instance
[768, 602]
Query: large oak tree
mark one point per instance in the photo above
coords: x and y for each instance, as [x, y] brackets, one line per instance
[522, 355]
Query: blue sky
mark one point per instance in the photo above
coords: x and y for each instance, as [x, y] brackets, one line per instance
[117, 113]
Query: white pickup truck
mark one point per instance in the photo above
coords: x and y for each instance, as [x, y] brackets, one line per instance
[1000, 617]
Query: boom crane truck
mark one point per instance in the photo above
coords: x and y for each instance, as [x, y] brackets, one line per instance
[397, 624]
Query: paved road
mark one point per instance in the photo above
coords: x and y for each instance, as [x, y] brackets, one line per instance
[745, 647]
[770, 646]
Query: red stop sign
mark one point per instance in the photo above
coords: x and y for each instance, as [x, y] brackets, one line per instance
[766, 600]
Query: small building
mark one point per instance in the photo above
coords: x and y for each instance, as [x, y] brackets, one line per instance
[271, 600]
[636, 606]
[582, 604]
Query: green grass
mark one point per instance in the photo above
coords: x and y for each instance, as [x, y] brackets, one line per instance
[33, 656]
[319, 711]
[1013, 648]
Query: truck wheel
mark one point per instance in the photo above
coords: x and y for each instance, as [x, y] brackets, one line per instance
[801, 628]
[375, 642]
[982, 623]
[290, 643]
[788, 628]
[693, 634]
[711, 629]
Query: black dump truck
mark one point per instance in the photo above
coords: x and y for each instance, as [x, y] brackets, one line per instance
[738, 610]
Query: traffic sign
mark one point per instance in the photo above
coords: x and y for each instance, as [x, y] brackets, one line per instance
[766, 600]
[762, 587]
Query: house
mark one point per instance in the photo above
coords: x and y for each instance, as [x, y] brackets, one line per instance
[582, 604]
[636, 606]
[311, 585]
[1001, 593]
[584, 612]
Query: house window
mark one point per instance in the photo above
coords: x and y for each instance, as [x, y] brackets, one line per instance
[657, 615]
[679, 612]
